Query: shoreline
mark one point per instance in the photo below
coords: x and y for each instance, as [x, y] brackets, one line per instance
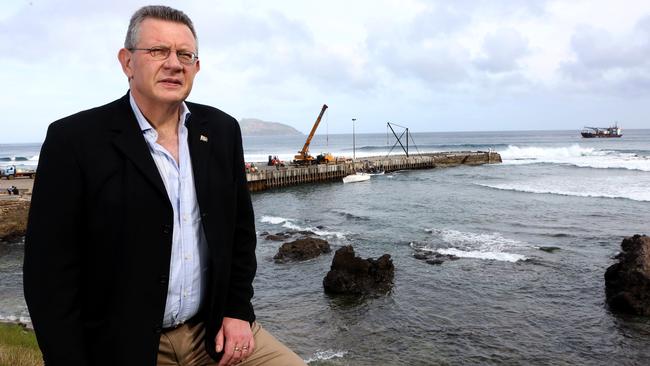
[24, 324]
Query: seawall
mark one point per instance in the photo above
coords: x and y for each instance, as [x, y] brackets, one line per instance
[276, 177]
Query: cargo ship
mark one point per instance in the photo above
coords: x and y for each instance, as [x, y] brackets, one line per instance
[612, 131]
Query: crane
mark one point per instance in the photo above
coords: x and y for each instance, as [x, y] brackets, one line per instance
[303, 156]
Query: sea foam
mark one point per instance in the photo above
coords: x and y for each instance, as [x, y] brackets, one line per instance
[626, 192]
[489, 246]
[292, 225]
[326, 355]
[273, 220]
[576, 155]
[497, 256]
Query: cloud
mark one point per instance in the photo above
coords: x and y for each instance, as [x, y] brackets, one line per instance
[423, 48]
[268, 48]
[501, 51]
[605, 62]
[438, 47]
[63, 30]
[236, 30]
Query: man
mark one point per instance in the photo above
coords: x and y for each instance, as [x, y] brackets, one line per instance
[149, 256]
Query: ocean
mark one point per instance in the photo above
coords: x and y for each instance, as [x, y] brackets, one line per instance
[504, 302]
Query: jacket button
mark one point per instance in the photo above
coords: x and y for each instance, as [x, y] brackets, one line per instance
[163, 279]
[167, 229]
[204, 215]
[157, 329]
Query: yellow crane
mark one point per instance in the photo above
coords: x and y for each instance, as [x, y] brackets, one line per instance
[303, 156]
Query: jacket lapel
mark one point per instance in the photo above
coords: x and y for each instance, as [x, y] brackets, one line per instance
[199, 143]
[130, 141]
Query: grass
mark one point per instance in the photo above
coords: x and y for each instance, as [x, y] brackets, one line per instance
[18, 347]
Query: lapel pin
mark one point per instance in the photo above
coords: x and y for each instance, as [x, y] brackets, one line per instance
[204, 138]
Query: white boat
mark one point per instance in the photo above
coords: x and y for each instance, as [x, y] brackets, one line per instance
[356, 177]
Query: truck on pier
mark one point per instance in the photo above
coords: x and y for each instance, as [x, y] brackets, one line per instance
[12, 171]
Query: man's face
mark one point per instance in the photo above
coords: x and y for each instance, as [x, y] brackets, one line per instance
[155, 82]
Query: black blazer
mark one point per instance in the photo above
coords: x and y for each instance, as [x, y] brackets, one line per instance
[98, 243]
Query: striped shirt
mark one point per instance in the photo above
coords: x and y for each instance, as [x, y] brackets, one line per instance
[189, 258]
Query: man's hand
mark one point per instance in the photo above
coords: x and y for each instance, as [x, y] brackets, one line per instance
[239, 342]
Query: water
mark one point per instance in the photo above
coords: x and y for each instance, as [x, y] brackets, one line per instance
[504, 301]
[19, 154]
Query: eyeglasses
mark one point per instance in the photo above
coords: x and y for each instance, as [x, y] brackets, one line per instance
[162, 53]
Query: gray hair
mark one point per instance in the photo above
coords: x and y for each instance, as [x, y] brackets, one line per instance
[156, 12]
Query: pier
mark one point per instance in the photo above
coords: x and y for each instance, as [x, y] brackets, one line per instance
[268, 177]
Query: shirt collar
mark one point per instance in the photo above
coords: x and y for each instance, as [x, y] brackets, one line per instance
[145, 125]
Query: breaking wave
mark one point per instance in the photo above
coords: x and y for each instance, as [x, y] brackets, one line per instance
[291, 224]
[488, 246]
[583, 157]
[30, 161]
[631, 193]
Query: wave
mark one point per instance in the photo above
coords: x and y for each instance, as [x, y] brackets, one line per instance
[290, 224]
[488, 246]
[640, 194]
[575, 155]
[19, 158]
[497, 256]
[326, 355]
[15, 319]
[273, 220]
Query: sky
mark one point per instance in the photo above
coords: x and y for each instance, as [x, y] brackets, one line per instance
[428, 65]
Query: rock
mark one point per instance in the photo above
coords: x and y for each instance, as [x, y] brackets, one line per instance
[549, 249]
[433, 257]
[435, 261]
[421, 255]
[449, 257]
[299, 232]
[627, 282]
[302, 249]
[353, 275]
[282, 236]
[277, 237]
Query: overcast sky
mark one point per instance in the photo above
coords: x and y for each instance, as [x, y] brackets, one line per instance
[429, 65]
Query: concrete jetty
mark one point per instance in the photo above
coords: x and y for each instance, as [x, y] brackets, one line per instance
[275, 177]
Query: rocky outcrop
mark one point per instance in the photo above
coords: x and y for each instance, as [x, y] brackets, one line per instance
[549, 249]
[302, 249]
[13, 219]
[350, 274]
[434, 257]
[282, 236]
[627, 283]
[277, 237]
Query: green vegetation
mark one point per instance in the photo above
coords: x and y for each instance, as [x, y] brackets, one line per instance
[18, 347]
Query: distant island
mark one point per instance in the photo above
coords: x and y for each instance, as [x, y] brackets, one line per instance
[257, 127]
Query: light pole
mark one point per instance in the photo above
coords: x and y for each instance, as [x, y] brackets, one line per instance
[354, 148]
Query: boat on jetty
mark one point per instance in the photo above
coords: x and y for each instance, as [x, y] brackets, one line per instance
[612, 131]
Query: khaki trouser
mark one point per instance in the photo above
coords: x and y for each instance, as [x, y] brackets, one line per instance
[184, 346]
